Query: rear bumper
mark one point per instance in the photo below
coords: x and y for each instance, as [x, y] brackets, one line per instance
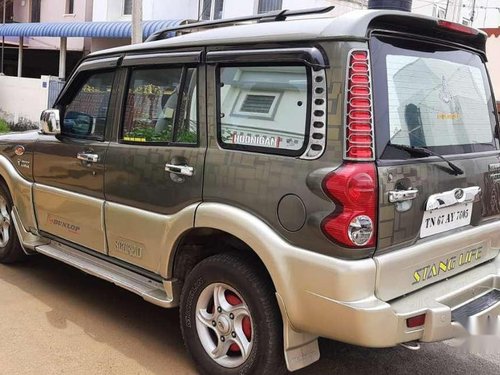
[371, 320]
[374, 323]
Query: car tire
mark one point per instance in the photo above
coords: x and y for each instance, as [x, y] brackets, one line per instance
[10, 247]
[250, 341]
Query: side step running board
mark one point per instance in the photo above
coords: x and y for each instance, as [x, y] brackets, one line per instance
[151, 290]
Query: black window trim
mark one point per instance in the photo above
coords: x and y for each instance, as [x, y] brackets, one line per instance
[107, 63]
[151, 66]
[309, 56]
[161, 58]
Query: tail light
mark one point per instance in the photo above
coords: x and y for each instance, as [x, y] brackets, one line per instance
[359, 110]
[353, 188]
[458, 27]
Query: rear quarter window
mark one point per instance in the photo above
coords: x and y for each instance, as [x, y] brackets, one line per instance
[264, 108]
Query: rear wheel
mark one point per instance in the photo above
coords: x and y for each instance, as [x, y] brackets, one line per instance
[10, 248]
[230, 320]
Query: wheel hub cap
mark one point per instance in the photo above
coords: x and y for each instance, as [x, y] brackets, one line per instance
[224, 325]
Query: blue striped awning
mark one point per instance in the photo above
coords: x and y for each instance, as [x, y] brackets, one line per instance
[122, 29]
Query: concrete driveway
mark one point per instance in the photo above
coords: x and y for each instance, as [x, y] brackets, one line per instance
[57, 320]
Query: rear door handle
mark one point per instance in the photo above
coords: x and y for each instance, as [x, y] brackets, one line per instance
[184, 170]
[402, 195]
[90, 158]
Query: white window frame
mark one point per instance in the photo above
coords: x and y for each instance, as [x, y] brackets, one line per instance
[212, 10]
[438, 11]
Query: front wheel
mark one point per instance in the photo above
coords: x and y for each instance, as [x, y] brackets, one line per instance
[230, 319]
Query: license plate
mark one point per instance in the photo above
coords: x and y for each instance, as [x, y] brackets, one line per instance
[444, 219]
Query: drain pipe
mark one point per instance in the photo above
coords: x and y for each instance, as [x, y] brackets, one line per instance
[404, 5]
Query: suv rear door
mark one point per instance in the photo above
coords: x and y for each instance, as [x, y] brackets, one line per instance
[432, 99]
[154, 166]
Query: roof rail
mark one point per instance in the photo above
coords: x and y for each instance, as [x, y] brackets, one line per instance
[277, 15]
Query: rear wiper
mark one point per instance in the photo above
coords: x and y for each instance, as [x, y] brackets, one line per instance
[424, 152]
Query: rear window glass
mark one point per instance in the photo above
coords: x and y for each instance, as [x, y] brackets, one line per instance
[264, 108]
[432, 96]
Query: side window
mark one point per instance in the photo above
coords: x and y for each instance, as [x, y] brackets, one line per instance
[264, 108]
[161, 106]
[85, 116]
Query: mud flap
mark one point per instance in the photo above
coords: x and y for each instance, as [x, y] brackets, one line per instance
[300, 349]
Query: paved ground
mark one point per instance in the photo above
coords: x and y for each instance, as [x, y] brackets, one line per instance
[56, 320]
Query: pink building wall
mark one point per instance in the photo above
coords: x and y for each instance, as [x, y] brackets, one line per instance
[54, 11]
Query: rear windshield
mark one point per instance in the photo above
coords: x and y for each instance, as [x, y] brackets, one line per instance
[430, 95]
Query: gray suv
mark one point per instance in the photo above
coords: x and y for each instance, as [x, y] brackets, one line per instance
[279, 180]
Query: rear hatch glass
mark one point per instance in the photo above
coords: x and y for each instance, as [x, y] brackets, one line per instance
[432, 101]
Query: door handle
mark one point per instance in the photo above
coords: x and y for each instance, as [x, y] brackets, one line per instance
[184, 170]
[90, 158]
[402, 195]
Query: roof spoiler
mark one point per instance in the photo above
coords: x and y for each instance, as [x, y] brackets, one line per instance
[432, 28]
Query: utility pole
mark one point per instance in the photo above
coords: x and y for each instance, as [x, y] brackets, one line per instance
[136, 21]
[3, 37]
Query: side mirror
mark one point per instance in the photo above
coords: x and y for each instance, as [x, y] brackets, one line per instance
[50, 121]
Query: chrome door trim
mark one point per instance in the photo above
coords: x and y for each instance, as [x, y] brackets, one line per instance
[90, 158]
[452, 197]
[402, 195]
[184, 170]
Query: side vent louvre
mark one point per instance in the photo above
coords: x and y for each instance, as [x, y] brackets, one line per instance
[317, 136]
[359, 140]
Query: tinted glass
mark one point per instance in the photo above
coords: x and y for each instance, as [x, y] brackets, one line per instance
[431, 96]
[85, 115]
[263, 106]
[159, 108]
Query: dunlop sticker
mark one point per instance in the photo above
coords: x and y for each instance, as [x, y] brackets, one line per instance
[63, 224]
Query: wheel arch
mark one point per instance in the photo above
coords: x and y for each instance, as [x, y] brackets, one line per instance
[240, 231]
[20, 191]
[199, 243]
[245, 233]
